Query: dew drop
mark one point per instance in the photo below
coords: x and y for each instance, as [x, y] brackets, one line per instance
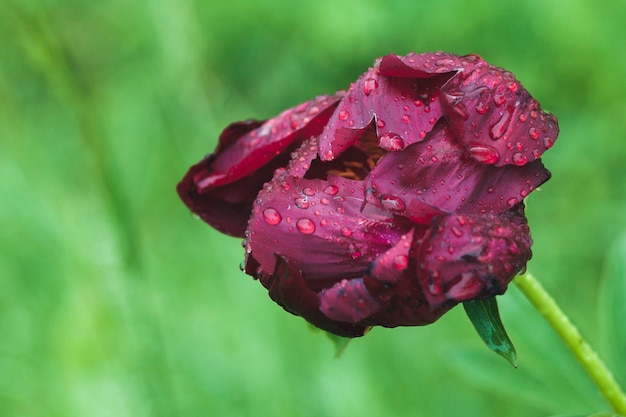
[340, 210]
[511, 201]
[406, 118]
[369, 85]
[499, 99]
[314, 110]
[324, 200]
[481, 108]
[271, 216]
[485, 154]
[346, 231]
[391, 202]
[305, 225]
[331, 190]
[308, 191]
[533, 133]
[400, 262]
[380, 123]
[391, 141]
[519, 159]
[523, 117]
[343, 115]
[456, 231]
[498, 129]
[302, 202]
[548, 142]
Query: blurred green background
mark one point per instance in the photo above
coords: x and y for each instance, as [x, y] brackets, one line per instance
[115, 301]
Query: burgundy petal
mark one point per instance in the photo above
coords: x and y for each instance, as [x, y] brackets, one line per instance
[466, 257]
[496, 118]
[439, 176]
[404, 111]
[392, 279]
[288, 288]
[318, 227]
[221, 188]
[427, 64]
[348, 301]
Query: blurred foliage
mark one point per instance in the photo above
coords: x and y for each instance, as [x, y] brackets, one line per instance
[114, 301]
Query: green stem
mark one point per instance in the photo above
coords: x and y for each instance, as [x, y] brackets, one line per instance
[587, 357]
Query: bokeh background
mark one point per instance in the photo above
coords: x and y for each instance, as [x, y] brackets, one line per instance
[115, 301]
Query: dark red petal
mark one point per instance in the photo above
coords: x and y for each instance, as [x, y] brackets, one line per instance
[427, 64]
[256, 148]
[392, 279]
[465, 257]
[496, 118]
[438, 175]
[404, 111]
[220, 189]
[288, 288]
[318, 227]
[227, 208]
[348, 301]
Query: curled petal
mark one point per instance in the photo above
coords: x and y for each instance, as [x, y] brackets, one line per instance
[465, 257]
[403, 110]
[288, 288]
[221, 188]
[427, 65]
[439, 176]
[392, 279]
[319, 228]
[348, 301]
[496, 118]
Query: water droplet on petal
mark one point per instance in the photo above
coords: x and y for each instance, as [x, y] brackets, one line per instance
[324, 200]
[456, 231]
[343, 115]
[308, 191]
[305, 226]
[391, 142]
[406, 118]
[331, 190]
[548, 142]
[511, 201]
[369, 85]
[481, 108]
[498, 129]
[380, 123]
[346, 231]
[391, 202]
[519, 159]
[485, 154]
[302, 202]
[400, 262]
[533, 133]
[499, 99]
[271, 216]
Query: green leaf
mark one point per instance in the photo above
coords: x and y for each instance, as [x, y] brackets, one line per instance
[613, 307]
[341, 343]
[485, 317]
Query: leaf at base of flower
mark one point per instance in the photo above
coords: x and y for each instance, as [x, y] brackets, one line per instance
[485, 317]
[341, 343]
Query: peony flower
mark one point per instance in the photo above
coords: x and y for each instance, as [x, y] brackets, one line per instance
[388, 204]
